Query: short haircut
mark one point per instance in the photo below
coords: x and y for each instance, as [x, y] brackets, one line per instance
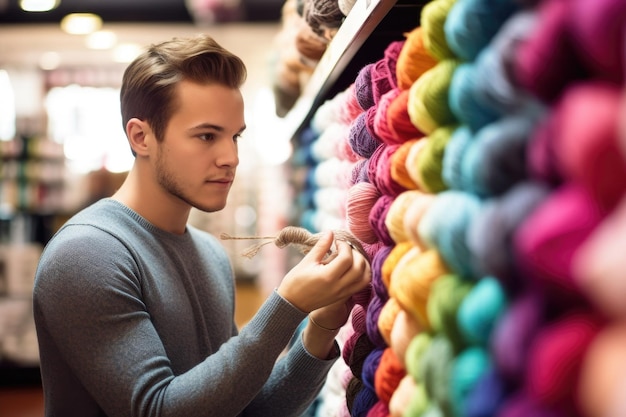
[149, 82]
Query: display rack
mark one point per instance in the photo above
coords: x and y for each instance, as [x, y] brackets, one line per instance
[362, 38]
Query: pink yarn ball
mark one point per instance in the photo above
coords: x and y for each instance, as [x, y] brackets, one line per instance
[360, 200]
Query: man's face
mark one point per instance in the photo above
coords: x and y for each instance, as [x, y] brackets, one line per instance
[197, 159]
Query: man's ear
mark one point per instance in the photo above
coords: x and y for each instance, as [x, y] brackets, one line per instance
[139, 133]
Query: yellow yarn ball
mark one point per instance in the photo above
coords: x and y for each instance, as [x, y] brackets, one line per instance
[393, 259]
[387, 317]
[394, 220]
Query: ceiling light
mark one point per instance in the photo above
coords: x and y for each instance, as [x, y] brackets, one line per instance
[102, 39]
[38, 5]
[81, 23]
[49, 60]
[126, 52]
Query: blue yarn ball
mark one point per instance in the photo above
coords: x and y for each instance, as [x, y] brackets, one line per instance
[453, 157]
[480, 310]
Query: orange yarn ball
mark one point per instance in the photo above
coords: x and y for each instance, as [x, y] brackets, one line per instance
[412, 280]
[414, 59]
[413, 215]
[399, 121]
[404, 329]
[393, 259]
[388, 375]
[399, 172]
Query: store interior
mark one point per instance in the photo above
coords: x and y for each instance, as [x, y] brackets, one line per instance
[474, 149]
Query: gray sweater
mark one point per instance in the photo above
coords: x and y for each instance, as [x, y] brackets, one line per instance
[134, 321]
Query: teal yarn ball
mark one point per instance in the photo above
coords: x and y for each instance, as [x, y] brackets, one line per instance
[444, 226]
[466, 370]
[453, 157]
[471, 24]
[463, 98]
[480, 310]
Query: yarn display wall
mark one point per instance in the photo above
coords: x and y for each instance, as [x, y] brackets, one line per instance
[483, 170]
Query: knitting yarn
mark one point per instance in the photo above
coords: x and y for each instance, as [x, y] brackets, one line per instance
[352, 390]
[404, 329]
[513, 334]
[453, 156]
[397, 258]
[374, 309]
[486, 395]
[429, 163]
[446, 295]
[480, 310]
[379, 409]
[444, 227]
[360, 199]
[437, 363]
[359, 172]
[402, 396]
[388, 375]
[471, 24]
[378, 284]
[467, 368]
[323, 16]
[383, 73]
[349, 107]
[363, 87]
[412, 158]
[586, 143]
[414, 59]
[414, 355]
[523, 405]
[555, 357]
[398, 171]
[547, 60]
[380, 122]
[361, 140]
[412, 281]
[546, 241]
[464, 98]
[496, 159]
[387, 318]
[413, 216]
[379, 170]
[377, 217]
[433, 18]
[428, 104]
[395, 216]
[399, 123]
[345, 6]
[598, 266]
[597, 33]
[601, 380]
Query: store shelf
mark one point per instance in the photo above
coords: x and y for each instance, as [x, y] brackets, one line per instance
[367, 30]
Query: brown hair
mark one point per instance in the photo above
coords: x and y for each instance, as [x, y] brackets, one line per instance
[149, 82]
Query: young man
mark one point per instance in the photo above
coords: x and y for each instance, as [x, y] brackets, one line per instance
[135, 309]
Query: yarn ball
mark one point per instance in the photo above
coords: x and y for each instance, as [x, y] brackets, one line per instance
[437, 363]
[324, 17]
[414, 355]
[378, 261]
[360, 199]
[555, 357]
[374, 309]
[428, 104]
[412, 157]
[599, 265]
[359, 172]
[601, 380]
[346, 6]
[486, 396]
[513, 333]
[597, 32]
[395, 216]
[395, 258]
[383, 73]
[387, 318]
[399, 121]
[399, 172]
[446, 295]
[481, 309]
[490, 235]
[433, 18]
[377, 217]
[547, 61]
[586, 141]
[496, 159]
[413, 216]
[429, 164]
[412, 281]
[388, 375]
[360, 138]
[540, 153]
[465, 100]
[404, 329]
[467, 368]
[444, 226]
[381, 121]
[414, 59]
[401, 398]
[379, 170]
[523, 405]
[453, 157]
[471, 24]
[363, 87]
[545, 243]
